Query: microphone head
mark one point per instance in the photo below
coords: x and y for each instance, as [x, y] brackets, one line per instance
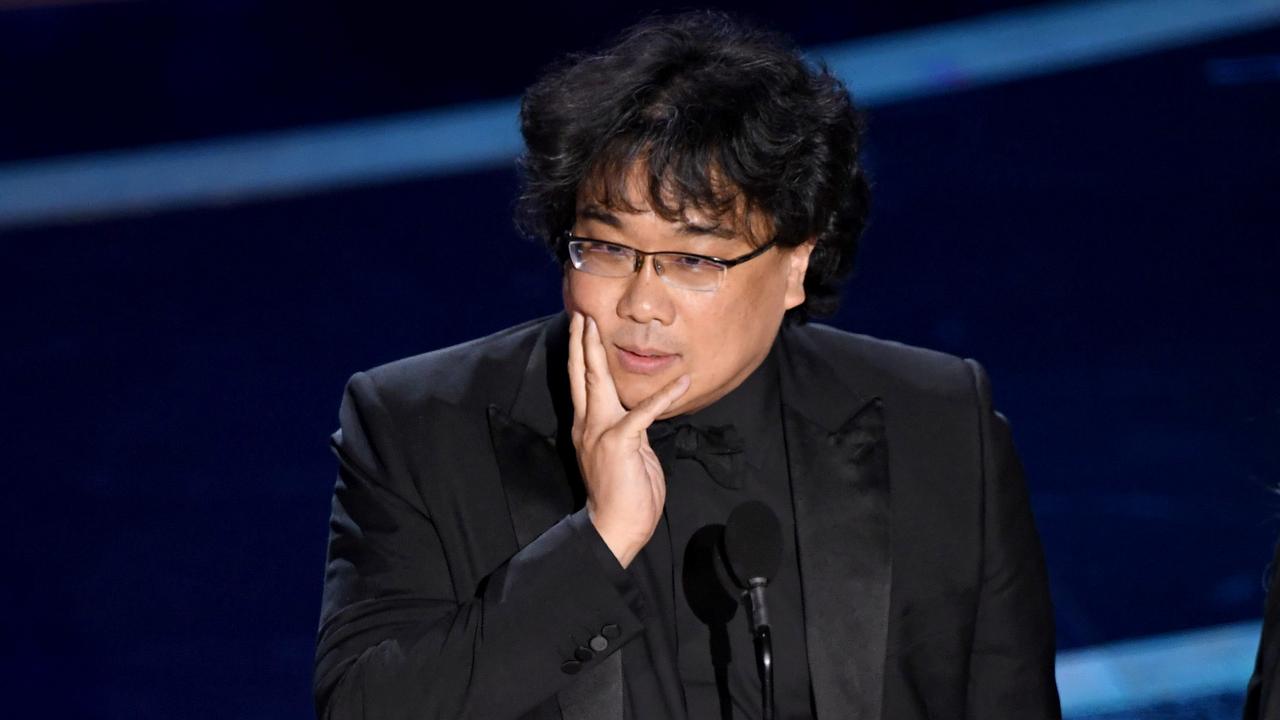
[752, 543]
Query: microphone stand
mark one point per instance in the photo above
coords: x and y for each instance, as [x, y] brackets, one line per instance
[752, 546]
[763, 643]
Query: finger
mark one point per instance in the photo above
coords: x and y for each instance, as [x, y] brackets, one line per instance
[657, 480]
[602, 396]
[643, 415]
[577, 370]
[653, 465]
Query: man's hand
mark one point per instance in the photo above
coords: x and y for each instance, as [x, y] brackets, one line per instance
[623, 478]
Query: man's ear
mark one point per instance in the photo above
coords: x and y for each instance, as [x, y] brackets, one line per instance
[798, 265]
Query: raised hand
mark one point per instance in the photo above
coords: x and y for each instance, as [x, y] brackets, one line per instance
[624, 481]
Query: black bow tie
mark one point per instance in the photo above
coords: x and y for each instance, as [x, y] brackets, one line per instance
[717, 448]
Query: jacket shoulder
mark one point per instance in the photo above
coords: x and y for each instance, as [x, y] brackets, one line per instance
[889, 366]
[486, 369]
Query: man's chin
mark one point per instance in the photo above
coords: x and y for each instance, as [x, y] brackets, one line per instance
[633, 391]
[635, 396]
[630, 395]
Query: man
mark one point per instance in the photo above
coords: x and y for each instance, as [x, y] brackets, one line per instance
[530, 525]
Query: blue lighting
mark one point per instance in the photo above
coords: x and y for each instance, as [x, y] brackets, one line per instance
[1134, 674]
[885, 69]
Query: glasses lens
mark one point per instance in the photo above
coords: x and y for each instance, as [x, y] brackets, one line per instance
[691, 272]
[599, 258]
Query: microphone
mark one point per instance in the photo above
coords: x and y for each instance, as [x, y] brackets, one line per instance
[752, 548]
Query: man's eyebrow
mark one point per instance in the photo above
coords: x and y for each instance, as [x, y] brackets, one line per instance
[599, 214]
[695, 229]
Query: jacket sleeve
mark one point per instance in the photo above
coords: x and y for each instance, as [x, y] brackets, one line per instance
[398, 640]
[1011, 671]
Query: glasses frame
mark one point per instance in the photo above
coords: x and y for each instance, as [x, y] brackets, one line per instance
[640, 256]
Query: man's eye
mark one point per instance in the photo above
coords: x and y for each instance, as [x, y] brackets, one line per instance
[687, 262]
[602, 249]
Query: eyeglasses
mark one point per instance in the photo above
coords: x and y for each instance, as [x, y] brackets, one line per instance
[688, 271]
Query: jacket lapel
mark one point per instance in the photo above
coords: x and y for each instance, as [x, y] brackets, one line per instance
[838, 458]
[533, 448]
[536, 500]
[529, 447]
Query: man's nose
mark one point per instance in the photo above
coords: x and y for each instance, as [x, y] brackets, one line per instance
[647, 297]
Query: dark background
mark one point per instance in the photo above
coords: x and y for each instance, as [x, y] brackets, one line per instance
[1104, 240]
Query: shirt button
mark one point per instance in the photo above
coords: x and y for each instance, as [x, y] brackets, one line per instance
[583, 654]
[599, 643]
[610, 631]
[570, 667]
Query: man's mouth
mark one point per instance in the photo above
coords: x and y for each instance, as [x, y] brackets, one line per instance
[643, 360]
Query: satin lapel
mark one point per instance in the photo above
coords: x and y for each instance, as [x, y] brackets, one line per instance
[537, 490]
[533, 449]
[840, 488]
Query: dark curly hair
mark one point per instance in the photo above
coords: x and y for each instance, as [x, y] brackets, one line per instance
[724, 117]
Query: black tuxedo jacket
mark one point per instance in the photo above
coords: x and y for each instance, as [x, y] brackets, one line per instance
[462, 574]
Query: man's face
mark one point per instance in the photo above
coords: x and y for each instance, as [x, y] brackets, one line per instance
[654, 332]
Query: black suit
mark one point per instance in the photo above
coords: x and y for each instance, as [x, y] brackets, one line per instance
[461, 580]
